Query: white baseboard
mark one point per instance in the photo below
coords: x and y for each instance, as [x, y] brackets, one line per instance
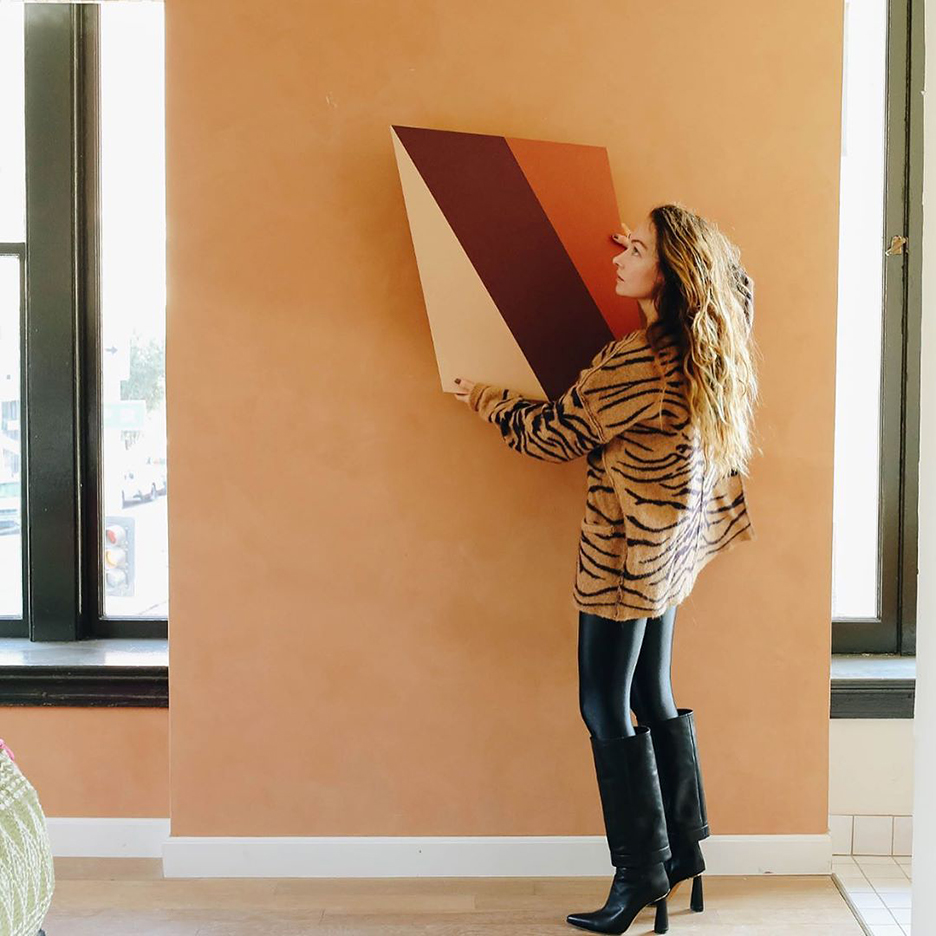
[107, 838]
[469, 856]
[404, 856]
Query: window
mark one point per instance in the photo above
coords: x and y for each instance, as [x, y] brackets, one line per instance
[12, 305]
[83, 468]
[877, 373]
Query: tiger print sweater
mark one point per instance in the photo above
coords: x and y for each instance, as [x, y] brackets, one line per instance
[653, 517]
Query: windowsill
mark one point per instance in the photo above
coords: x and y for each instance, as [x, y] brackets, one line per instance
[872, 685]
[132, 672]
[135, 672]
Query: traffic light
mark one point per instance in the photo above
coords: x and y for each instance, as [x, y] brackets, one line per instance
[118, 553]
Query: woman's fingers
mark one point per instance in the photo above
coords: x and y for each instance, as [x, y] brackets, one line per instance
[464, 389]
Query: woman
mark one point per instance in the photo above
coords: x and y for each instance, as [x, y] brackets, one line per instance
[663, 417]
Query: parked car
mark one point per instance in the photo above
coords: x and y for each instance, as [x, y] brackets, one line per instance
[10, 505]
[142, 480]
[159, 470]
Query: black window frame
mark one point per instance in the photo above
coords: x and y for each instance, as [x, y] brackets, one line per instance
[893, 631]
[60, 337]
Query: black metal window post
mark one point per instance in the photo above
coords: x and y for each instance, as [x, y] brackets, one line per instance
[60, 336]
[893, 629]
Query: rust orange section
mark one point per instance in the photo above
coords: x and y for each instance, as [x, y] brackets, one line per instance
[573, 184]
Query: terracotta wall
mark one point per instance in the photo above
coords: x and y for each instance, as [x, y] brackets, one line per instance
[93, 762]
[371, 626]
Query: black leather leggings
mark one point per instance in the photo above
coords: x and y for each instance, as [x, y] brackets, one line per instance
[625, 665]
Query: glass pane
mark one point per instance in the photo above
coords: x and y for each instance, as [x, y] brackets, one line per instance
[855, 571]
[11, 549]
[12, 125]
[133, 315]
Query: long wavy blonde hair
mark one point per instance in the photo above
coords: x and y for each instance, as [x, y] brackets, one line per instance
[705, 302]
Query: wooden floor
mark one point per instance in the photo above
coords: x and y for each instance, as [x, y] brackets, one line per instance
[121, 896]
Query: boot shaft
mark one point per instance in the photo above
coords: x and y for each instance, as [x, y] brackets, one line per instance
[677, 758]
[631, 799]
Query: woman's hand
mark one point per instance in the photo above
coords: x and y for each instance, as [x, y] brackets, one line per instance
[622, 238]
[464, 388]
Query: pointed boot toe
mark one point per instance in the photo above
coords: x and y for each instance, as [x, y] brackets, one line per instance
[635, 823]
[677, 758]
[632, 891]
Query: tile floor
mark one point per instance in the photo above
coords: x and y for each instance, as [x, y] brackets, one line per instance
[878, 889]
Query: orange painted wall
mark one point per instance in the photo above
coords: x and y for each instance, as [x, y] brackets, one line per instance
[101, 762]
[371, 630]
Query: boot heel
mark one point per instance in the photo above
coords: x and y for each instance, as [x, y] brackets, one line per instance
[695, 899]
[661, 922]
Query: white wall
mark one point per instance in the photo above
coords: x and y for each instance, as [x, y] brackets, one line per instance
[871, 766]
[923, 919]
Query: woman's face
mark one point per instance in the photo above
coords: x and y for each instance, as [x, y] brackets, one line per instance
[637, 268]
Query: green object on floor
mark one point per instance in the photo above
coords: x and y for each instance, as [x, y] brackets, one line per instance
[27, 875]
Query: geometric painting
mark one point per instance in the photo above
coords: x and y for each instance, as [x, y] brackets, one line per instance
[513, 248]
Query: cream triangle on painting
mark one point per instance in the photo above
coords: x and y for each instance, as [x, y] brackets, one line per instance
[470, 336]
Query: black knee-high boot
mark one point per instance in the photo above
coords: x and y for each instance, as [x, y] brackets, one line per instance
[677, 757]
[635, 823]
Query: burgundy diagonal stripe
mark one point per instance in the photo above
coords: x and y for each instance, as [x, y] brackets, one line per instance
[510, 241]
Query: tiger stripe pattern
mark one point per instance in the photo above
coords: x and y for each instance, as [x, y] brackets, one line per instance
[654, 517]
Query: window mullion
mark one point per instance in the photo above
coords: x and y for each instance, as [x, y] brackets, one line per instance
[913, 319]
[893, 337]
[50, 469]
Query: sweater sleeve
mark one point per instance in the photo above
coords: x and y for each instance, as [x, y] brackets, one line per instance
[622, 386]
